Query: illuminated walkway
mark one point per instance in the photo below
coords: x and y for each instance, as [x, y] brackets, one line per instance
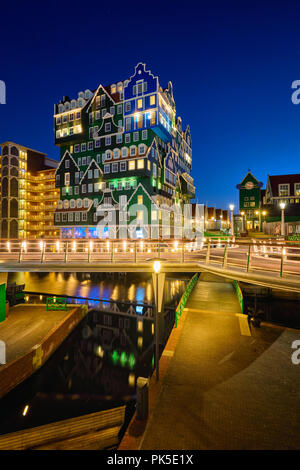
[226, 387]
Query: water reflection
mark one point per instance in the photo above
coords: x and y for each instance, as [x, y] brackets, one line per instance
[97, 285]
[97, 365]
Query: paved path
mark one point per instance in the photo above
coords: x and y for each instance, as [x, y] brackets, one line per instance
[26, 326]
[227, 387]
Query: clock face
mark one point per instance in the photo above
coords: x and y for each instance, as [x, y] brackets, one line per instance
[249, 185]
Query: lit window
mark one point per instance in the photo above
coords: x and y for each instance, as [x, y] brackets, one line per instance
[139, 104]
[140, 164]
[152, 100]
[139, 215]
[140, 200]
[131, 165]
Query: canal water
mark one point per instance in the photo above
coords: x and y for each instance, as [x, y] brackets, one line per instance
[96, 367]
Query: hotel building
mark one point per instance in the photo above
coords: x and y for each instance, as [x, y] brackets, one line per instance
[28, 193]
[125, 160]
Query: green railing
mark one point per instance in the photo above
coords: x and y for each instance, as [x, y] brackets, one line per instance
[184, 298]
[56, 303]
[239, 294]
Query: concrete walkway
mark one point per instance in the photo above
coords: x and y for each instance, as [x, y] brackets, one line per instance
[26, 325]
[226, 386]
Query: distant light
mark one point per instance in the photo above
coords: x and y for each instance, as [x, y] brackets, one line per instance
[282, 205]
[157, 266]
[25, 410]
[231, 207]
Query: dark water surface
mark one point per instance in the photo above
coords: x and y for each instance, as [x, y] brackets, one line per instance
[97, 366]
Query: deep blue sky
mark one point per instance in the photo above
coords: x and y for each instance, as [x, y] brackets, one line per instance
[231, 64]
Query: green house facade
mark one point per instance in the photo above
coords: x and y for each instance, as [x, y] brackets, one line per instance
[250, 202]
[125, 161]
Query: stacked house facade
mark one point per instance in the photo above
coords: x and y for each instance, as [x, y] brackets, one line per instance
[125, 161]
[28, 195]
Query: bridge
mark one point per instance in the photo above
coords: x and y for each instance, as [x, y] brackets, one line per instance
[270, 263]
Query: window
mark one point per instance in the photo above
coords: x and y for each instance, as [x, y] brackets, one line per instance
[139, 215]
[140, 200]
[96, 173]
[108, 155]
[128, 124]
[127, 138]
[135, 136]
[85, 203]
[76, 148]
[76, 190]
[106, 169]
[127, 185]
[90, 174]
[112, 110]
[113, 89]
[70, 217]
[58, 120]
[116, 154]
[111, 186]
[64, 217]
[103, 112]
[154, 215]
[97, 115]
[78, 115]
[119, 109]
[148, 165]
[107, 140]
[107, 127]
[152, 119]
[119, 138]
[297, 189]
[72, 204]
[90, 146]
[57, 217]
[84, 216]
[103, 98]
[128, 106]
[139, 121]
[83, 147]
[83, 160]
[124, 152]
[123, 166]
[90, 188]
[114, 167]
[83, 188]
[131, 165]
[119, 186]
[284, 190]
[67, 179]
[142, 149]
[77, 216]
[98, 158]
[123, 200]
[132, 150]
[139, 104]
[152, 100]
[97, 143]
[144, 134]
[140, 164]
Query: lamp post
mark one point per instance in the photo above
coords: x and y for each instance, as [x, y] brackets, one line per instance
[156, 268]
[243, 221]
[264, 216]
[282, 207]
[231, 207]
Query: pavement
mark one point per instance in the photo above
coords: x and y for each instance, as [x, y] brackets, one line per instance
[227, 385]
[26, 325]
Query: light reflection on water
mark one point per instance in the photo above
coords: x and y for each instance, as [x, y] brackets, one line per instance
[101, 286]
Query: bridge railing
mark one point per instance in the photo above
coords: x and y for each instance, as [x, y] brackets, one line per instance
[277, 256]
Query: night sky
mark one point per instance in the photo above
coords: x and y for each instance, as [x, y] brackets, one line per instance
[231, 63]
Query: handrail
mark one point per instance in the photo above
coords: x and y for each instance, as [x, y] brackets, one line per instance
[239, 294]
[184, 298]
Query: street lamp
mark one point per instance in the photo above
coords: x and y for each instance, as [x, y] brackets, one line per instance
[282, 207]
[156, 268]
[231, 207]
[243, 221]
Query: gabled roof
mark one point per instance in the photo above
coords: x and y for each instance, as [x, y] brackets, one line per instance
[89, 167]
[69, 155]
[276, 180]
